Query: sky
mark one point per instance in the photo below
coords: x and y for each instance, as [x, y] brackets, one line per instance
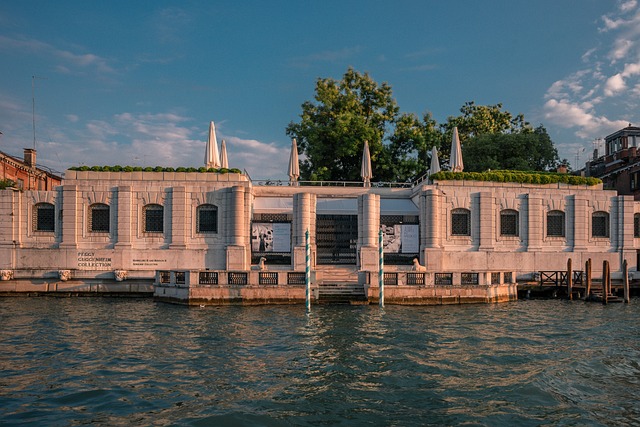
[137, 82]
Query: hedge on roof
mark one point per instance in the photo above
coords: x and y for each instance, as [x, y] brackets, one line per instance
[118, 168]
[521, 177]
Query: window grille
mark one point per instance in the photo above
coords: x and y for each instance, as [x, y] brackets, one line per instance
[390, 279]
[99, 218]
[508, 277]
[495, 278]
[153, 216]
[237, 278]
[636, 225]
[555, 224]
[267, 278]
[461, 222]
[180, 277]
[415, 279]
[509, 223]
[208, 278]
[296, 278]
[165, 276]
[600, 224]
[207, 219]
[443, 279]
[44, 217]
[470, 278]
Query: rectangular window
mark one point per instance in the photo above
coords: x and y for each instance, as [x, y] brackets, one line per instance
[509, 223]
[153, 219]
[600, 225]
[461, 223]
[207, 219]
[44, 217]
[636, 225]
[99, 219]
[555, 224]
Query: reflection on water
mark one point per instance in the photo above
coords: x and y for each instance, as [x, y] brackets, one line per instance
[137, 362]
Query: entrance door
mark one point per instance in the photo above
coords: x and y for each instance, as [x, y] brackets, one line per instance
[336, 239]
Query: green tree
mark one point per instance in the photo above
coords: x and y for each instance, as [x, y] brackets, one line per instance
[510, 151]
[333, 129]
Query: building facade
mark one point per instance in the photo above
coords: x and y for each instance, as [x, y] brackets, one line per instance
[25, 174]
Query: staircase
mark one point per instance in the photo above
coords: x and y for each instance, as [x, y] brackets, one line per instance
[338, 285]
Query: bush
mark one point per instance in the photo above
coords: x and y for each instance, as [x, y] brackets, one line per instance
[517, 176]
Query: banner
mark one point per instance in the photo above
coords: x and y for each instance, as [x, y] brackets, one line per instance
[271, 237]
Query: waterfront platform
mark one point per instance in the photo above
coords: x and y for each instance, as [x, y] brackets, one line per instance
[77, 288]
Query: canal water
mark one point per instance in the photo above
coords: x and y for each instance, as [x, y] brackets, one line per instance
[86, 361]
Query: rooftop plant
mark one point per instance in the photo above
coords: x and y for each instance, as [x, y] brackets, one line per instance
[522, 177]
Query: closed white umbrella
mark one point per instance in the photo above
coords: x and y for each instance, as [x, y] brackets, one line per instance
[435, 163]
[294, 167]
[211, 158]
[455, 161]
[224, 161]
[365, 171]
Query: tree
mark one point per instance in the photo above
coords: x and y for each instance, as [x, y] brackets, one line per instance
[333, 129]
[511, 151]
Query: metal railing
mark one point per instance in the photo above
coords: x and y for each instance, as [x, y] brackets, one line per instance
[208, 278]
[268, 278]
[469, 278]
[285, 183]
[238, 278]
[443, 279]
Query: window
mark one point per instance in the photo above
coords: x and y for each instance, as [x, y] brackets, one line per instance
[461, 222]
[636, 225]
[99, 218]
[44, 217]
[207, 219]
[20, 184]
[555, 224]
[600, 224]
[153, 217]
[509, 223]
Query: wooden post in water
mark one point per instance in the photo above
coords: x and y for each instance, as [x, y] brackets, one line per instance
[587, 289]
[625, 280]
[569, 280]
[605, 280]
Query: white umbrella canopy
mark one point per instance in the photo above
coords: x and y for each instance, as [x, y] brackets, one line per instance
[435, 163]
[211, 157]
[366, 171]
[224, 161]
[455, 161]
[294, 166]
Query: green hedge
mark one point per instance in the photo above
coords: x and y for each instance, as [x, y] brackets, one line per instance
[118, 168]
[6, 183]
[521, 177]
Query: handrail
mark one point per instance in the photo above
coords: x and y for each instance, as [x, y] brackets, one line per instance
[285, 183]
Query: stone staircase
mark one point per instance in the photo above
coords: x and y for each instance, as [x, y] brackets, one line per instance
[339, 285]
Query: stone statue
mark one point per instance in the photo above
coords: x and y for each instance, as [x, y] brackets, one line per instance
[121, 275]
[6, 274]
[417, 266]
[261, 266]
[64, 275]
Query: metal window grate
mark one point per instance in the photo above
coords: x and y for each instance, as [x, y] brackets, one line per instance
[208, 278]
[181, 277]
[268, 278]
[470, 278]
[237, 278]
[165, 277]
[295, 278]
[443, 279]
[509, 223]
[495, 278]
[508, 277]
[460, 222]
[153, 219]
[44, 217]
[555, 224]
[207, 219]
[600, 224]
[415, 279]
[390, 279]
[99, 218]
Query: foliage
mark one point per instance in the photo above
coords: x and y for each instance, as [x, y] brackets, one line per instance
[118, 168]
[6, 183]
[522, 177]
[333, 129]
[515, 151]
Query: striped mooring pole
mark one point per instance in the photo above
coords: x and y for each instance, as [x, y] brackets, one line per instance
[381, 269]
[307, 273]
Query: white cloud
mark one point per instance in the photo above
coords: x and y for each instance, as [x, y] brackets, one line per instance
[614, 85]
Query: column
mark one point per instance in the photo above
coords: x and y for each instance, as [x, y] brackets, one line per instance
[369, 225]
[236, 219]
[70, 221]
[123, 237]
[178, 218]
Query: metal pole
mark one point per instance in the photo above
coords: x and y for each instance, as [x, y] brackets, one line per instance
[381, 269]
[307, 276]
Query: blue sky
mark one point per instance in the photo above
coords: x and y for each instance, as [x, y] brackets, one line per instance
[137, 82]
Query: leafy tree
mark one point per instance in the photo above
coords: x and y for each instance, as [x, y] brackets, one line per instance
[333, 129]
[510, 151]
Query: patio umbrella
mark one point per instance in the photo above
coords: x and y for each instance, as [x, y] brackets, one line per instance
[211, 158]
[224, 162]
[435, 163]
[365, 171]
[294, 167]
[455, 161]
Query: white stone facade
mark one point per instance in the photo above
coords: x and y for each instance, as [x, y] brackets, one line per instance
[204, 221]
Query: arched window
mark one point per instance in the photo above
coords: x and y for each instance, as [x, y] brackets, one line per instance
[153, 218]
[461, 222]
[98, 220]
[600, 224]
[509, 223]
[207, 219]
[44, 217]
[636, 225]
[555, 224]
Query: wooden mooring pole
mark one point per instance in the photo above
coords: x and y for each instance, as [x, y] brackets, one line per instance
[625, 280]
[587, 289]
[569, 280]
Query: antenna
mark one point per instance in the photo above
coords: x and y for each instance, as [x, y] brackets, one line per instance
[33, 105]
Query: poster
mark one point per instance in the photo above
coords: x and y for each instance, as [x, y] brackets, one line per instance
[391, 238]
[410, 241]
[270, 237]
[400, 238]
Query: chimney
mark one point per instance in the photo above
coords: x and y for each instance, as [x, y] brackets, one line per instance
[30, 157]
[561, 169]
